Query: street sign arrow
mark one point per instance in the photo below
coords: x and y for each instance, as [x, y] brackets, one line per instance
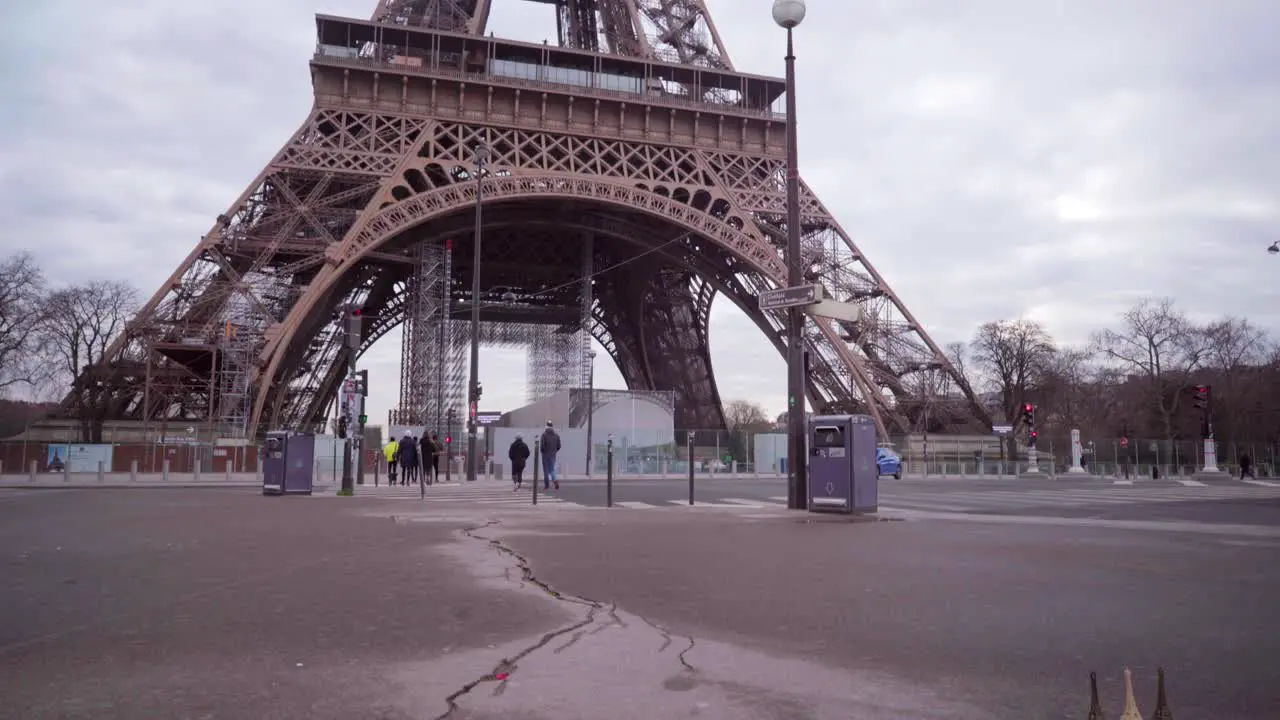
[790, 297]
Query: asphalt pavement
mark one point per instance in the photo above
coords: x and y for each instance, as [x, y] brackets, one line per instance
[221, 603]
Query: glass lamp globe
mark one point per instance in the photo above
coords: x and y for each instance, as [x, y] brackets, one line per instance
[788, 13]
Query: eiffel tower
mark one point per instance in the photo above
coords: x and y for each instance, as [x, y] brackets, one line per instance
[632, 176]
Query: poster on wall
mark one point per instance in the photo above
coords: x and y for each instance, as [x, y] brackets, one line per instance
[78, 458]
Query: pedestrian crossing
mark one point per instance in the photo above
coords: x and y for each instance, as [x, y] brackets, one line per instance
[501, 495]
[1026, 498]
[480, 494]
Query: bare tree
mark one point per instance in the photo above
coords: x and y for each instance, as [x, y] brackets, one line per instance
[21, 312]
[1161, 347]
[958, 354]
[1235, 353]
[744, 415]
[81, 321]
[1014, 356]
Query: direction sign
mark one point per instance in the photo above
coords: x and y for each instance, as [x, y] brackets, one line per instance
[790, 297]
[1001, 429]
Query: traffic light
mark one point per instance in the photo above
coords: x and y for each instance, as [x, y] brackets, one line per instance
[342, 427]
[1202, 397]
[448, 439]
[362, 382]
[364, 419]
[1029, 416]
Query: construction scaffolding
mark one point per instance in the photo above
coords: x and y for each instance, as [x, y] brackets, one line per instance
[245, 318]
[435, 345]
[422, 366]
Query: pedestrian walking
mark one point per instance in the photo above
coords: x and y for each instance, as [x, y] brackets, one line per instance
[435, 459]
[428, 452]
[392, 452]
[549, 444]
[408, 459]
[518, 454]
[1246, 467]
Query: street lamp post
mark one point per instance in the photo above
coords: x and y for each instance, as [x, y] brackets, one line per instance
[473, 387]
[788, 14]
[591, 405]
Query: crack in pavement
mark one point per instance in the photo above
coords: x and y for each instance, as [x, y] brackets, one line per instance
[667, 640]
[507, 666]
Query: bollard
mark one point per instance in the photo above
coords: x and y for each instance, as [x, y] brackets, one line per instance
[608, 479]
[164, 470]
[133, 471]
[32, 476]
[102, 475]
[227, 469]
[535, 473]
[196, 471]
[690, 467]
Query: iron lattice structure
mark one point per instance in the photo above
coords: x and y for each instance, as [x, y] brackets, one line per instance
[633, 150]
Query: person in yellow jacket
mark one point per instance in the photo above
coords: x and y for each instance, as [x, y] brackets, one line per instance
[392, 451]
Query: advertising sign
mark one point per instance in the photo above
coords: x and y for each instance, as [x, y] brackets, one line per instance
[78, 458]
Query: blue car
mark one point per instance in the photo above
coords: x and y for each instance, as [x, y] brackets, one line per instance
[889, 462]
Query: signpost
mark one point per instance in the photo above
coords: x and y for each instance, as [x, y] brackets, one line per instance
[1002, 429]
[812, 300]
[790, 297]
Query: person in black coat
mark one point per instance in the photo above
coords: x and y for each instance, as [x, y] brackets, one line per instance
[408, 459]
[518, 454]
[428, 459]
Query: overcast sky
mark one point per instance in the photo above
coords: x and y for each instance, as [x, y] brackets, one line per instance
[993, 158]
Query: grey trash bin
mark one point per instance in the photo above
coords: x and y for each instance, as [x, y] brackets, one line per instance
[843, 474]
[288, 463]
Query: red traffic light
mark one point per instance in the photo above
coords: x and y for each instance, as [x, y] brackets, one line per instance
[1027, 407]
[1034, 434]
[448, 439]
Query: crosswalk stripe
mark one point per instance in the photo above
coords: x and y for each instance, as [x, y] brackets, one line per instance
[892, 503]
[749, 503]
[1191, 483]
[685, 503]
[1263, 483]
[631, 504]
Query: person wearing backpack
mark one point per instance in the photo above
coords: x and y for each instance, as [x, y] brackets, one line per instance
[549, 445]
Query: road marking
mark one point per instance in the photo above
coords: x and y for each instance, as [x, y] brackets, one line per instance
[632, 505]
[1122, 482]
[749, 503]
[685, 503]
[1191, 483]
[1263, 483]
